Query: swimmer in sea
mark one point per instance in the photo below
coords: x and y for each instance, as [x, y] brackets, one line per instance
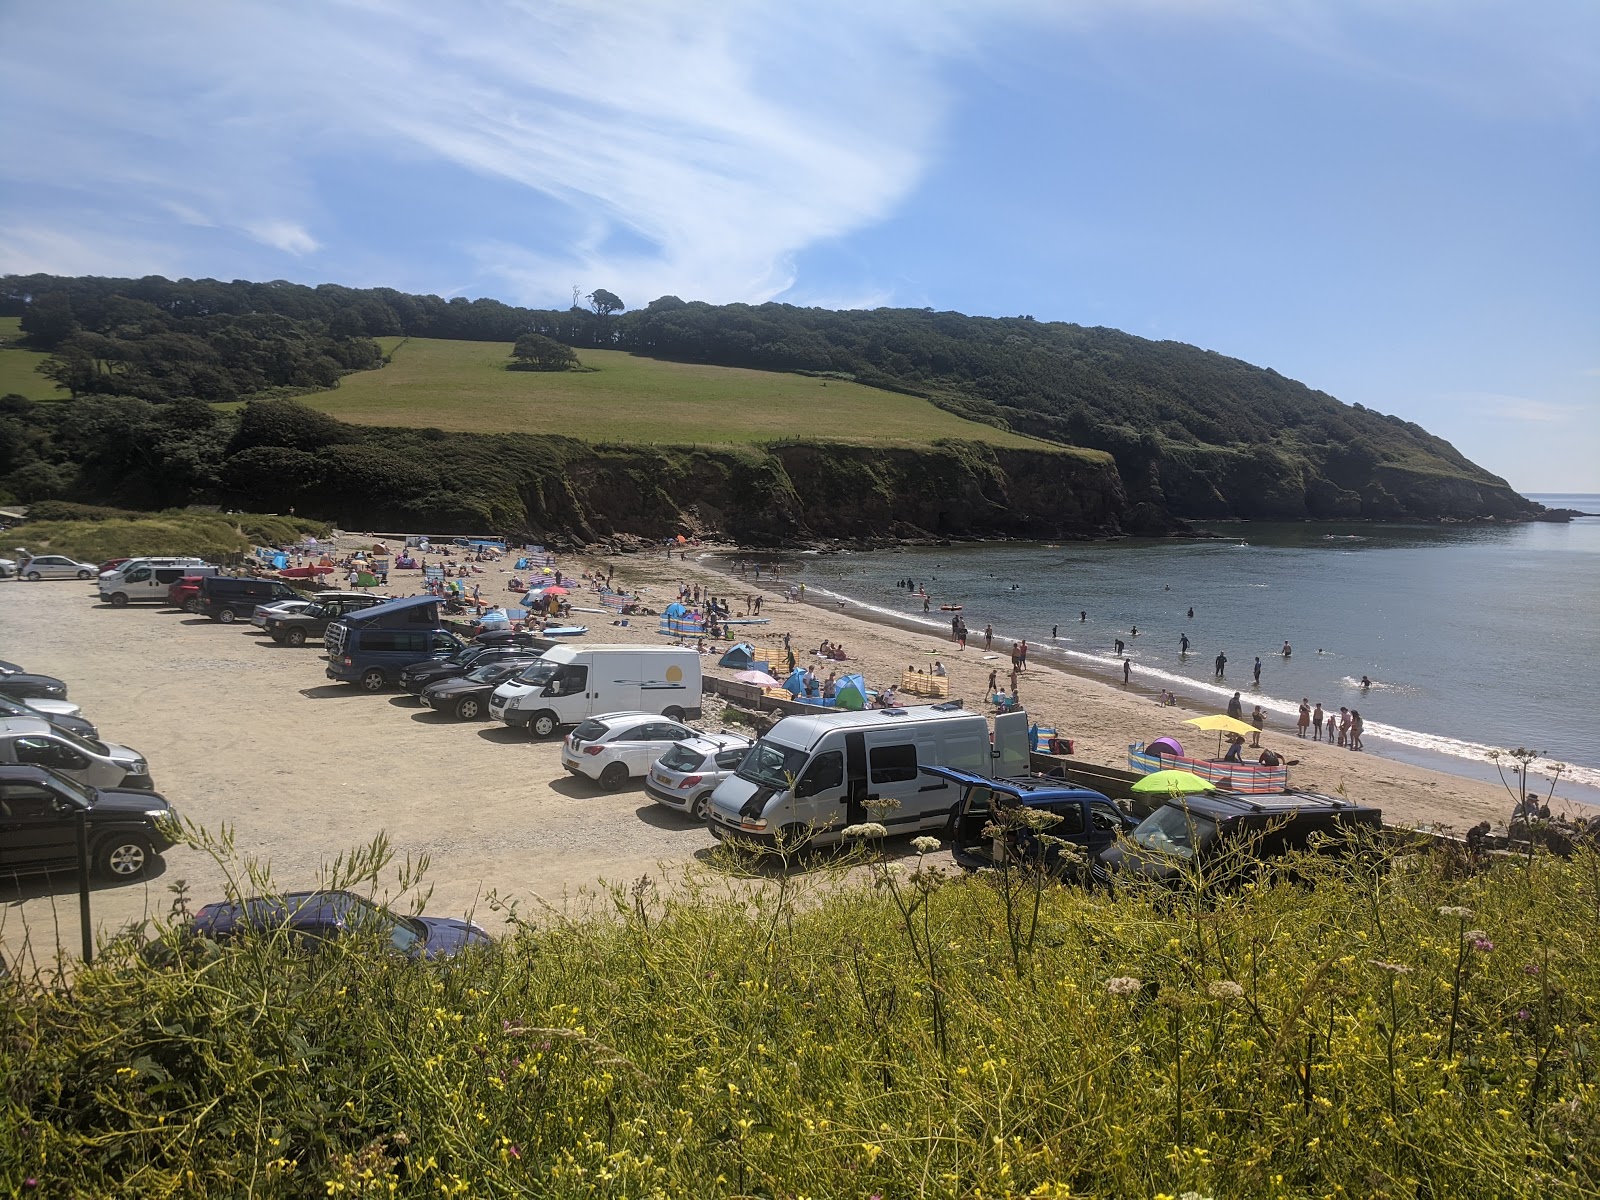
[1183, 644]
[1083, 615]
[1365, 683]
[1286, 650]
[1191, 614]
[1053, 629]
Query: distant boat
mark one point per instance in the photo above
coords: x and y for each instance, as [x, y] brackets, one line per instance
[949, 608]
[1343, 537]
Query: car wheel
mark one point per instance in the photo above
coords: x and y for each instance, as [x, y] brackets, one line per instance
[119, 600]
[674, 714]
[227, 616]
[701, 806]
[295, 637]
[542, 725]
[373, 680]
[192, 604]
[614, 776]
[125, 856]
[85, 575]
[469, 708]
[34, 576]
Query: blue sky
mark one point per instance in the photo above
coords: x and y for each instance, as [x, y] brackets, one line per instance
[1396, 201]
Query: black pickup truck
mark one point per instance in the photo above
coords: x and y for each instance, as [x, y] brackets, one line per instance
[38, 825]
[292, 629]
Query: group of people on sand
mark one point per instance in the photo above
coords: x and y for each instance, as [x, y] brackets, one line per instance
[1345, 729]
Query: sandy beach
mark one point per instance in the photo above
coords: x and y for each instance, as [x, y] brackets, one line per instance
[247, 734]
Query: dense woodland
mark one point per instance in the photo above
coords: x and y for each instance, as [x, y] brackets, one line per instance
[1194, 433]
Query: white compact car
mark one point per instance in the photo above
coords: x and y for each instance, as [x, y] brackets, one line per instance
[685, 776]
[58, 566]
[613, 748]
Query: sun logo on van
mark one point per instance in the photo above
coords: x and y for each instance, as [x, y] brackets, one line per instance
[674, 674]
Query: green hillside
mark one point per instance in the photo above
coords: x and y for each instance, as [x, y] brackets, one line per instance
[465, 387]
[17, 373]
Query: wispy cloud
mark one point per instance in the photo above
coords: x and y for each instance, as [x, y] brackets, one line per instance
[1500, 407]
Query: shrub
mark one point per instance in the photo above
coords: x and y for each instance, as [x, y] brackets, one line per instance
[826, 1035]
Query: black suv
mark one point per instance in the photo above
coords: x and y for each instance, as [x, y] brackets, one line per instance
[292, 629]
[38, 824]
[226, 599]
[419, 675]
[1201, 827]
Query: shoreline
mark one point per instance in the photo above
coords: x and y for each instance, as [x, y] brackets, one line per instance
[1101, 715]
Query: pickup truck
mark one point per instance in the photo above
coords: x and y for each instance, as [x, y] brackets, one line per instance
[292, 629]
[1088, 819]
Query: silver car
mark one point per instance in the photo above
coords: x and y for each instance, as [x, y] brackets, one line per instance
[58, 566]
[685, 776]
[99, 764]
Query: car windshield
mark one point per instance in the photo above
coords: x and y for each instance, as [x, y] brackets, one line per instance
[82, 743]
[682, 758]
[591, 731]
[493, 673]
[1171, 829]
[772, 764]
[76, 790]
[539, 674]
[310, 610]
[467, 655]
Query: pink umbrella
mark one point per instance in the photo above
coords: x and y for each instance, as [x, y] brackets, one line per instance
[760, 678]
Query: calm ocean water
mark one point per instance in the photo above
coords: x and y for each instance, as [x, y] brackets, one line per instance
[1474, 637]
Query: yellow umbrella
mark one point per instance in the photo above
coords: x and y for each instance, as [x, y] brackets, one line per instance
[1222, 723]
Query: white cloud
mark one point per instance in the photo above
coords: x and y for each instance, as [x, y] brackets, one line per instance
[283, 235]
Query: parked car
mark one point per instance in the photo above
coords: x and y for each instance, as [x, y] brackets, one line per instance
[293, 628]
[8, 567]
[1201, 827]
[147, 580]
[226, 598]
[262, 611]
[613, 748]
[467, 696]
[38, 824]
[315, 917]
[25, 685]
[685, 776]
[57, 566]
[373, 646]
[418, 676]
[37, 743]
[185, 593]
[70, 721]
[1086, 818]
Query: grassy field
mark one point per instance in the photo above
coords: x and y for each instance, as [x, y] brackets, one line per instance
[17, 372]
[465, 387]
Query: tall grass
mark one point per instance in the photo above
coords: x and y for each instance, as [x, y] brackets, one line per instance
[98, 534]
[904, 1034]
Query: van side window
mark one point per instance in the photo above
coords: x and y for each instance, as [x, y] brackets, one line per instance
[892, 764]
[826, 771]
[1071, 819]
[394, 639]
[569, 681]
[137, 575]
[169, 575]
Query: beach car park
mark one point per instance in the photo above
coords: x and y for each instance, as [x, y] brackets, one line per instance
[685, 776]
[811, 777]
[99, 764]
[38, 824]
[57, 566]
[612, 748]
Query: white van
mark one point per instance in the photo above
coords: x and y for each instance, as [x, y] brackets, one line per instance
[148, 578]
[812, 776]
[569, 684]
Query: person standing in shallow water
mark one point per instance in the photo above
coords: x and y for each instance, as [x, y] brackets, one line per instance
[1127, 671]
[988, 636]
[1258, 670]
[1222, 666]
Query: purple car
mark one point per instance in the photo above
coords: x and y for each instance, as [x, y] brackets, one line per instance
[315, 917]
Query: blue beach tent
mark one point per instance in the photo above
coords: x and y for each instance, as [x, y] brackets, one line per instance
[739, 657]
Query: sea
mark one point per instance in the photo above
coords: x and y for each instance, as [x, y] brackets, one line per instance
[1475, 638]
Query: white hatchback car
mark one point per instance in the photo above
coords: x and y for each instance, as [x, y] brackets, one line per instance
[685, 776]
[613, 748]
[58, 566]
[277, 608]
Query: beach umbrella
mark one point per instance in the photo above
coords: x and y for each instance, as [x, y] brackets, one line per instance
[759, 678]
[1222, 723]
[554, 590]
[1172, 783]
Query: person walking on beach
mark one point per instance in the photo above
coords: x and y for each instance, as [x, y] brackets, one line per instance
[961, 634]
[994, 681]
[1316, 722]
[1222, 666]
[1305, 716]
[1344, 725]
[1236, 708]
[988, 636]
[1183, 644]
[1258, 670]
[1258, 718]
[1022, 655]
[1127, 670]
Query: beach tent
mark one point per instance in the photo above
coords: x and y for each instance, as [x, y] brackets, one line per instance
[280, 560]
[739, 657]
[674, 610]
[795, 685]
[851, 692]
[495, 618]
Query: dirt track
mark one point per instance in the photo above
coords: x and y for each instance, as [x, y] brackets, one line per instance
[241, 731]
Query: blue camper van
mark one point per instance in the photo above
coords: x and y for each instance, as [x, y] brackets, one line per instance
[373, 646]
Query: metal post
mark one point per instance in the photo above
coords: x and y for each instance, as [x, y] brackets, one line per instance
[83, 886]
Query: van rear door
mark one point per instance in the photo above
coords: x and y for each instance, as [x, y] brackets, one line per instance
[1010, 757]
